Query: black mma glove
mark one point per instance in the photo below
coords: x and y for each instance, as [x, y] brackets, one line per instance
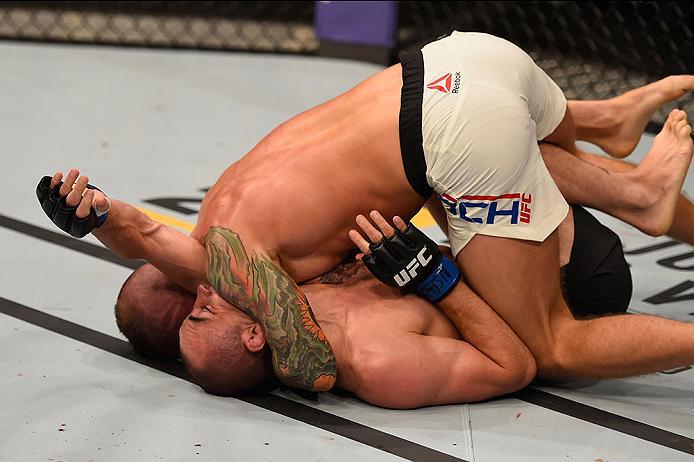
[412, 262]
[62, 215]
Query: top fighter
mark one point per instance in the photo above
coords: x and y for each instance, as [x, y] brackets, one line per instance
[368, 133]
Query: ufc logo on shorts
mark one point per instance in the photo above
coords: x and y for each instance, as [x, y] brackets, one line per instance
[410, 271]
[487, 209]
[525, 208]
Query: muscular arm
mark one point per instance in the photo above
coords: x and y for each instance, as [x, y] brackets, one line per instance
[419, 370]
[406, 370]
[486, 331]
[476, 321]
[131, 234]
[415, 370]
[301, 354]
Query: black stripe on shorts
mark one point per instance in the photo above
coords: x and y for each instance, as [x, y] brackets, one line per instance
[411, 122]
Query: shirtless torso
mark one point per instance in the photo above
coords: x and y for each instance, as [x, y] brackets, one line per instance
[312, 175]
[374, 330]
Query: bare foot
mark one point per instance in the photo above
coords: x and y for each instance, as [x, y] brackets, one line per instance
[659, 177]
[628, 114]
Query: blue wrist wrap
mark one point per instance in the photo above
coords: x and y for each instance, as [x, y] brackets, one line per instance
[441, 281]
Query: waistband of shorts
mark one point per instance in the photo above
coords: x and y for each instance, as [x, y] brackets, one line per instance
[411, 122]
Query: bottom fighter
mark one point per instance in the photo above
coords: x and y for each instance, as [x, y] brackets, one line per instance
[392, 350]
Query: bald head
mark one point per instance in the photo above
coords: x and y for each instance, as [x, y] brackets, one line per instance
[149, 311]
[223, 348]
[222, 365]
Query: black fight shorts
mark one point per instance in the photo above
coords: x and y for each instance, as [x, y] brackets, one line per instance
[597, 280]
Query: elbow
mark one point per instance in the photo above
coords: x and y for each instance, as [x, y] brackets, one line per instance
[521, 374]
[528, 375]
[525, 373]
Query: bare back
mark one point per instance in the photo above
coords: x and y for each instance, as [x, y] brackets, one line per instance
[295, 195]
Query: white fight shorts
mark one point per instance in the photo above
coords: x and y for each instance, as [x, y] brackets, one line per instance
[473, 109]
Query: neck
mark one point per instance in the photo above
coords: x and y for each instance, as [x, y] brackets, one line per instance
[335, 298]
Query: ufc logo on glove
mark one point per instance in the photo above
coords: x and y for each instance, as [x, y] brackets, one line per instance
[412, 262]
[410, 271]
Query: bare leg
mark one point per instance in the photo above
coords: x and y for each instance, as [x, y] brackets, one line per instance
[597, 348]
[682, 227]
[532, 305]
[646, 196]
[564, 136]
[616, 124]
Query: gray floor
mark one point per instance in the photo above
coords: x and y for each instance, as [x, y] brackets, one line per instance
[160, 124]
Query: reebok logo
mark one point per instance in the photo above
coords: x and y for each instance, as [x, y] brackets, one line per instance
[443, 84]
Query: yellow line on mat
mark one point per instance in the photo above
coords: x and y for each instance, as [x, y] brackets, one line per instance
[422, 220]
[168, 220]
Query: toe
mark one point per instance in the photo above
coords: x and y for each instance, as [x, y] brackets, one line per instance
[675, 116]
[681, 115]
[680, 123]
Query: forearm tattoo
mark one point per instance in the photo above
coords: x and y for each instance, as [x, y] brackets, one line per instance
[301, 354]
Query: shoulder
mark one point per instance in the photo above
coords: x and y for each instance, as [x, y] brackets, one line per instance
[370, 375]
[376, 363]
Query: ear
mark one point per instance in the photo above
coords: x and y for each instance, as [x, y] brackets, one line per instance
[253, 338]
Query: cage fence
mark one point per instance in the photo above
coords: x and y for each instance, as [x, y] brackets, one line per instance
[244, 26]
[593, 50]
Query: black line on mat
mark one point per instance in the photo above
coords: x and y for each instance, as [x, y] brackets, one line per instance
[531, 395]
[280, 405]
[321, 419]
[652, 247]
[606, 419]
[66, 241]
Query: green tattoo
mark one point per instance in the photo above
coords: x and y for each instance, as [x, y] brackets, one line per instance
[301, 354]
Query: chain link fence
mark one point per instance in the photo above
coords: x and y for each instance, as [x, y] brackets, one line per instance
[277, 27]
[593, 50]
